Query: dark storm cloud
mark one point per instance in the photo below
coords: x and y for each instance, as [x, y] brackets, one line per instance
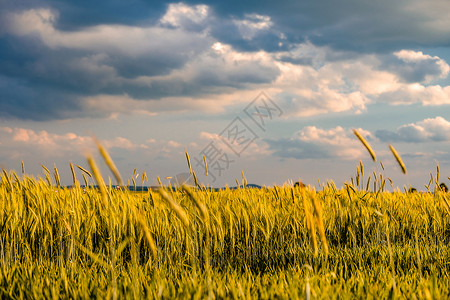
[38, 50]
[79, 14]
[77, 49]
[21, 100]
[110, 60]
[351, 25]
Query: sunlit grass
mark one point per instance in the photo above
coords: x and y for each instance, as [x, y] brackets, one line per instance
[112, 243]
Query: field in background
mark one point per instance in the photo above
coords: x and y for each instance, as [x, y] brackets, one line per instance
[285, 242]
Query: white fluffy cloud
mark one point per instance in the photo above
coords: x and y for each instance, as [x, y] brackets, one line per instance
[317, 143]
[131, 41]
[416, 93]
[183, 15]
[429, 130]
[419, 67]
[252, 24]
[313, 82]
[53, 144]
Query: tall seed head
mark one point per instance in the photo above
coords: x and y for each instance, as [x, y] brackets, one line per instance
[188, 161]
[364, 142]
[57, 178]
[148, 236]
[206, 165]
[98, 177]
[201, 207]
[320, 227]
[179, 211]
[159, 181]
[109, 162]
[398, 158]
[85, 171]
[144, 177]
[74, 177]
[195, 179]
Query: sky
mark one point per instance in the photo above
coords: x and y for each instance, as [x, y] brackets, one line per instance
[270, 88]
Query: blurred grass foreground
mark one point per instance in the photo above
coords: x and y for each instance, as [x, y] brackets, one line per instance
[289, 242]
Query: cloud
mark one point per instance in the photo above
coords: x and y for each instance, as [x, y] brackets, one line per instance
[310, 85]
[368, 27]
[141, 62]
[185, 57]
[47, 144]
[432, 95]
[381, 26]
[130, 41]
[223, 145]
[252, 24]
[52, 144]
[414, 66]
[316, 143]
[173, 144]
[429, 130]
[312, 81]
[123, 143]
[185, 16]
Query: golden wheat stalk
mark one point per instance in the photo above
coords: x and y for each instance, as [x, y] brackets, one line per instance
[86, 182]
[206, 165]
[358, 176]
[205, 219]
[74, 176]
[437, 174]
[45, 168]
[98, 177]
[144, 177]
[93, 256]
[188, 161]
[23, 168]
[57, 178]
[47, 175]
[8, 180]
[148, 236]
[310, 224]
[398, 158]
[108, 160]
[368, 183]
[244, 180]
[364, 142]
[320, 227]
[391, 259]
[179, 211]
[201, 207]
[16, 178]
[195, 179]
[85, 171]
[361, 168]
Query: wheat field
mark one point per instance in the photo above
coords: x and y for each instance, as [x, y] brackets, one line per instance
[358, 241]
